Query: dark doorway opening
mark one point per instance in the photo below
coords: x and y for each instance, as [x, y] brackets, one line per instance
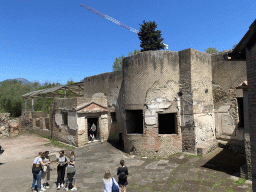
[90, 122]
[240, 102]
[167, 123]
[134, 121]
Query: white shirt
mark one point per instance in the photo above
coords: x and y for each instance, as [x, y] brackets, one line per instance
[108, 184]
[37, 160]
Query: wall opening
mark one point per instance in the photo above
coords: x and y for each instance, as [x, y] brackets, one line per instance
[113, 117]
[240, 102]
[134, 121]
[65, 118]
[90, 122]
[167, 123]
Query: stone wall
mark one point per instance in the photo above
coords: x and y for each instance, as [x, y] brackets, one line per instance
[109, 85]
[251, 72]
[201, 86]
[4, 127]
[151, 84]
[226, 76]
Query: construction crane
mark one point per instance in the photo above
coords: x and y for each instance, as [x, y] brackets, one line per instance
[113, 20]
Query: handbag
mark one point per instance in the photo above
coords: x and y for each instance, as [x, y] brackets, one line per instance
[71, 169]
[115, 188]
[44, 168]
[36, 168]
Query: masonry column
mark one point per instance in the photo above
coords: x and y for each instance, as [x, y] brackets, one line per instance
[186, 101]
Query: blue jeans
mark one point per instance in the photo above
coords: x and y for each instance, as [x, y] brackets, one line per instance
[37, 177]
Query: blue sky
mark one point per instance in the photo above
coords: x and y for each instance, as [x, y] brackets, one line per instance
[58, 40]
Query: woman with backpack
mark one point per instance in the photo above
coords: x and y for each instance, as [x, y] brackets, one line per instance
[61, 162]
[122, 173]
[110, 184]
[36, 170]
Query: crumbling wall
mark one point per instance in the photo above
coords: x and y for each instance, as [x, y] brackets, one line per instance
[151, 84]
[65, 103]
[106, 85]
[201, 87]
[4, 128]
[227, 75]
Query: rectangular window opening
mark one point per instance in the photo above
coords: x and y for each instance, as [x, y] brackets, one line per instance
[240, 102]
[134, 121]
[167, 123]
[113, 117]
[65, 118]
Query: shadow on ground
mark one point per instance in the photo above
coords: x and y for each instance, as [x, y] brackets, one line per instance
[226, 161]
[117, 144]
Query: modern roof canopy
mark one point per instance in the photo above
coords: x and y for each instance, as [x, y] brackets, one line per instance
[76, 88]
[239, 52]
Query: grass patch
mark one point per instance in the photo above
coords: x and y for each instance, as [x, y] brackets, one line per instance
[58, 144]
[240, 181]
[230, 190]
[187, 155]
[134, 186]
[172, 183]
[174, 154]
[159, 157]
[215, 184]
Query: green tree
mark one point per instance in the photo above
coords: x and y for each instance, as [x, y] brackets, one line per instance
[10, 97]
[134, 52]
[118, 63]
[149, 37]
[211, 50]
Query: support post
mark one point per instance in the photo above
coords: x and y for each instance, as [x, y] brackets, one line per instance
[44, 107]
[32, 104]
[25, 104]
[65, 93]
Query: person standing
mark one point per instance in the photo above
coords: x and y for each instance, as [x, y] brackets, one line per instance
[43, 174]
[37, 176]
[71, 176]
[108, 182]
[122, 173]
[46, 170]
[93, 131]
[61, 166]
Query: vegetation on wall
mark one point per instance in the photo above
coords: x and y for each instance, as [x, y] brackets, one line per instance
[211, 50]
[118, 63]
[149, 37]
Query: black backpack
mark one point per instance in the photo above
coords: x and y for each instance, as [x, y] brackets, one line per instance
[122, 176]
[1, 150]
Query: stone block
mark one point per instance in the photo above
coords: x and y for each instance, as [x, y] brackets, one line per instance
[201, 151]
[150, 120]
